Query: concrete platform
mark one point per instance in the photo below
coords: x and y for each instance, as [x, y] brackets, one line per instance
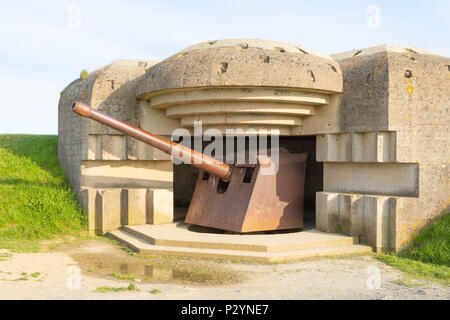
[179, 239]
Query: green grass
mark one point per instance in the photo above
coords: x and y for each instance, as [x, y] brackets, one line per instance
[83, 74]
[105, 289]
[417, 269]
[428, 255]
[432, 245]
[36, 202]
[5, 256]
[408, 284]
[21, 279]
[121, 277]
[155, 291]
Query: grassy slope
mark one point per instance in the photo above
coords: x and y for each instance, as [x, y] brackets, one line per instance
[432, 245]
[35, 199]
[428, 256]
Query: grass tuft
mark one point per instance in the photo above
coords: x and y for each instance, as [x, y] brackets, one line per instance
[428, 256]
[155, 291]
[408, 284]
[122, 277]
[84, 74]
[5, 256]
[417, 269]
[21, 279]
[105, 289]
[432, 245]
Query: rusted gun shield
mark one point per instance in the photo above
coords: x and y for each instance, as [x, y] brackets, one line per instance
[252, 200]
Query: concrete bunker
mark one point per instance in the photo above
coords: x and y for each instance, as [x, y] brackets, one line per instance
[380, 170]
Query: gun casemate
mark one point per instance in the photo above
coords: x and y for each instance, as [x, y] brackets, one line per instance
[244, 197]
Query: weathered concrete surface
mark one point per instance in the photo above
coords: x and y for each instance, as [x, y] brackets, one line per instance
[394, 110]
[180, 235]
[127, 174]
[106, 169]
[243, 63]
[111, 89]
[419, 101]
[246, 84]
[370, 218]
[110, 208]
[178, 240]
[372, 178]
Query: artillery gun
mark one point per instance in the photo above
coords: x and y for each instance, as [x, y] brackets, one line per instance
[242, 197]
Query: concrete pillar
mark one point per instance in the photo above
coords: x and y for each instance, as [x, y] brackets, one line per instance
[159, 206]
[108, 209]
[136, 207]
[370, 218]
[327, 211]
[87, 200]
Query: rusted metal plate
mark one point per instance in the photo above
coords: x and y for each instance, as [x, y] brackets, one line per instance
[252, 202]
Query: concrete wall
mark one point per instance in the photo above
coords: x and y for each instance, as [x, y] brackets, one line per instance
[419, 101]
[372, 178]
[72, 137]
[366, 95]
[117, 179]
[386, 172]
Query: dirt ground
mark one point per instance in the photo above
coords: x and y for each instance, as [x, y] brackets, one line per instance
[95, 269]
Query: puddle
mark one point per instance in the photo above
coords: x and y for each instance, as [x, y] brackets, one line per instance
[158, 269]
[141, 272]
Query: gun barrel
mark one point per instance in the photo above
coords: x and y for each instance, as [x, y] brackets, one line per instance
[176, 150]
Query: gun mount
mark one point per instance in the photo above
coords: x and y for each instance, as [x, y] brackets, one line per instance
[242, 197]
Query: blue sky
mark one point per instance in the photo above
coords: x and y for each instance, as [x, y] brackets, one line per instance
[45, 46]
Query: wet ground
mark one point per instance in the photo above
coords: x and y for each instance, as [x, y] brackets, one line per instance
[97, 269]
[95, 259]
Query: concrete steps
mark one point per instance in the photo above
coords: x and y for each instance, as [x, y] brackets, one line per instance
[258, 109]
[177, 239]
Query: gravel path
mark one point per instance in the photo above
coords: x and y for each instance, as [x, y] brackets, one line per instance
[53, 275]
